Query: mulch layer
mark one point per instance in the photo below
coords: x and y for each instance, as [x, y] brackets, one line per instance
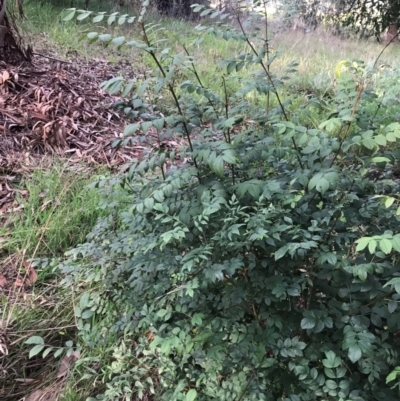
[51, 107]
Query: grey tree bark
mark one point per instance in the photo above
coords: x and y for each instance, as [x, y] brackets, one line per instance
[392, 32]
[3, 28]
[11, 49]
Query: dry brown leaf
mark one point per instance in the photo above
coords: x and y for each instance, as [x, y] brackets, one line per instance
[35, 396]
[3, 341]
[3, 281]
[50, 393]
[26, 381]
[31, 275]
[44, 205]
[3, 348]
[29, 278]
[19, 282]
[66, 363]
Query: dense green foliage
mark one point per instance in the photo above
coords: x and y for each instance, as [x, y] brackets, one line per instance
[365, 17]
[263, 265]
[376, 14]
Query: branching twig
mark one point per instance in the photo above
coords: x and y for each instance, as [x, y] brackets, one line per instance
[172, 91]
[268, 75]
[372, 302]
[387, 45]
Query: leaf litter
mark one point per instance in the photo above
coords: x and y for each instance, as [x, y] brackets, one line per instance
[52, 108]
[58, 108]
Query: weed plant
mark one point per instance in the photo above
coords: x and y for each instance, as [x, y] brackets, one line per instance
[264, 265]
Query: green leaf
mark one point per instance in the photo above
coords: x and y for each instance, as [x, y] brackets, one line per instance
[128, 88]
[380, 140]
[87, 314]
[69, 16]
[149, 203]
[92, 35]
[396, 243]
[331, 125]
[105, 37]
[362, 243]
[369, 143]
[229, 156]
[307, 323]
[281, 252]
[98, 18]
[393, 375]
[239, 66]
[166, 346]
[332, 361]
[131, 129]
[162, 312]
[122, 19]
[354, 353]
[389, 201]
[35, 340]
[146, 126]
[58, 352]
[197, 319]
[231, 67]
[191, 395]
[314, 180]
[47, 352]
[36, 350]
[331, 384]
[385, 245]
[392, 306]
[159, 123]
[372, 246]
[322, 185]
[84, 15]
[120, 40]
[217, 165]
[380, 159]
[229, 122]
[394, 282]
[84, 301]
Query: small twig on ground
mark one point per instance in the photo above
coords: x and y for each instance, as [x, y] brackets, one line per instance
[52, 58]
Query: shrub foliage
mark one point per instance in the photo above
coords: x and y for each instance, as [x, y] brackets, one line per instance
[263, 265]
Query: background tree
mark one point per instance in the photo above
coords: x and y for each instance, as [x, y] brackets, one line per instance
[177, 7]
[11, 47]
[375, 16]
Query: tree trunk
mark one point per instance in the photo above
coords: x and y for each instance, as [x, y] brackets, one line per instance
[164, 6]
[392, 32]
[11, 50]
[3, 28]
[186, 9]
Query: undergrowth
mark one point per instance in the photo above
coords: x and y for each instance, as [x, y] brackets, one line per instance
[264, 264]
[317, 53]
[57, 208]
